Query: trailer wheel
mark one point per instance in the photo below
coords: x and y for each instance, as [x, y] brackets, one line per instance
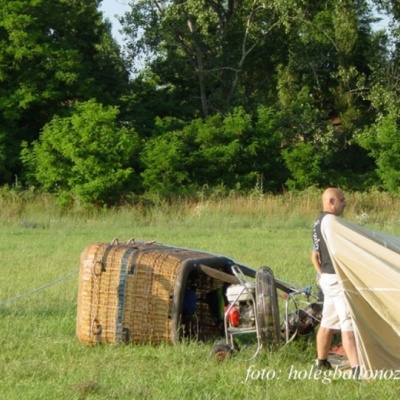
[267, 310]
[220, 352]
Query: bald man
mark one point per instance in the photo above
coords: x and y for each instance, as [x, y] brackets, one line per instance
[336, 313]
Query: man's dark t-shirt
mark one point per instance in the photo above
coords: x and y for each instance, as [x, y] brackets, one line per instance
[320, 246]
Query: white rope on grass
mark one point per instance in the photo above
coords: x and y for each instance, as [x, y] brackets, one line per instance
[33, 291]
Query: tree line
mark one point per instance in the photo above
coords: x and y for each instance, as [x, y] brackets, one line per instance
[203, 95]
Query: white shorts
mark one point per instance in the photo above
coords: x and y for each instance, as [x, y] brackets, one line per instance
[336, 311]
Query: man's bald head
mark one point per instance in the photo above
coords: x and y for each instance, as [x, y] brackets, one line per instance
[333, 201]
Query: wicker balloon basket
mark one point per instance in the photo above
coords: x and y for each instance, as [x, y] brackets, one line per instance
[138, 292]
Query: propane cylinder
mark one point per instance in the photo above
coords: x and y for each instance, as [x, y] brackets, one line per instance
[233, 316]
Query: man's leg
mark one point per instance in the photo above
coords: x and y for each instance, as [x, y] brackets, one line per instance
[324, 342]
[349, 345]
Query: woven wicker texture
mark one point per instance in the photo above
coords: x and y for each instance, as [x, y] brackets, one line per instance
[126, 294]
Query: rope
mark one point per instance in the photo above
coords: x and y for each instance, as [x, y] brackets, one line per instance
[33, 291]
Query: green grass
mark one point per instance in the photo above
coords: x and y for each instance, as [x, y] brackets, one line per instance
[41, 358]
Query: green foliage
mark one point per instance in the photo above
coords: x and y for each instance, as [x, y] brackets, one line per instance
[383, 142]
[329, 50]
[52, 54]
[233, 151]
[214, 46]
[305, 164]
[87, 155]
[381, 139]
[164, 161]
[149, 100]
[274, 81]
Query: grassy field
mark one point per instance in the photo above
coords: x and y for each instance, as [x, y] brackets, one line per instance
[41, 358]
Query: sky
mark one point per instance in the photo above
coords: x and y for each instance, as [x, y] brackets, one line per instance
[111, 8]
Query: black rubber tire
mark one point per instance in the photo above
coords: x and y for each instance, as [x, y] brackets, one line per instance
[220, 352]
[267, 309]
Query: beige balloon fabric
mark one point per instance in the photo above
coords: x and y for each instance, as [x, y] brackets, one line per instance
[368, 263]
